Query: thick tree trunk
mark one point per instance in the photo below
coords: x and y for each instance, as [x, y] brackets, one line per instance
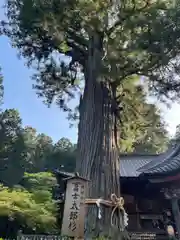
[98, 156]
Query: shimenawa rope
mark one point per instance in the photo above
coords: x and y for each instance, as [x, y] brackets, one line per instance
[119, 204]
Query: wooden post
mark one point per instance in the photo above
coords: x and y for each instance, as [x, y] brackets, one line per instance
[74, 208]
[176, 213]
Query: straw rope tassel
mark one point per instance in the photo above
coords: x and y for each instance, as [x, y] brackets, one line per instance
[119, 204]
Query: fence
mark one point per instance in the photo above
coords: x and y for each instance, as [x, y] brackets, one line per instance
[40, 237]
[148, 236]
[132, 235]
[36, 237]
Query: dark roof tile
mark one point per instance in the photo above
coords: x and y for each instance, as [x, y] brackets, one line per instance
[129, 167]
[167, 163]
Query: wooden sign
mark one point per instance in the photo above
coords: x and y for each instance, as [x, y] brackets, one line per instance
[74, 208]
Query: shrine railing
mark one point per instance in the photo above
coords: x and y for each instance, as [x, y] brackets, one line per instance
[133, 236]
[148, 235]
[40, 237]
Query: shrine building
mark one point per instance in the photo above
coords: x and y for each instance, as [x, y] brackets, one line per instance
[150, 185]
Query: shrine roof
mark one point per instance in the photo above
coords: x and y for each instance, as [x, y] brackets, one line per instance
[165, 163]
[129, 165]
[135, 165]
[63, 173]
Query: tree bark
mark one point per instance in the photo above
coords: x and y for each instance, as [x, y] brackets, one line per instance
[98, 155]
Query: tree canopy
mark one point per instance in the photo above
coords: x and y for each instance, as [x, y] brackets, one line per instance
[41, 30]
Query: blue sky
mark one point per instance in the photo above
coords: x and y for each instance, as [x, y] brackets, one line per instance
[20, 95]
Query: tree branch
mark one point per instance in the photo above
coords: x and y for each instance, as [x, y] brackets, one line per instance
[77, 37]
[127, 14]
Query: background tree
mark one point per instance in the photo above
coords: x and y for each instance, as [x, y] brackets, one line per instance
[108, 41]
[23, 150]
[154, 138]
[31, 208]
[142, 127]
[63, 156]
[12, 155]
[38, 149]
[44, 150]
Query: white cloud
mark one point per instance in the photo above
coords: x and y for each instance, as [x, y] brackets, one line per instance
[171, 114]
[172, 117]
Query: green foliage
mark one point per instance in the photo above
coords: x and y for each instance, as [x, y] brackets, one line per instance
[27, 208]
[38, 148]
[11, 147]
[29, 204]
[142, 128]
[39, 181]
[63, 155]
[64, 144]
[40, 185]
[23, 150]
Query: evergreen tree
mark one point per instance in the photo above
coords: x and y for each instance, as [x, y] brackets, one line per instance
[107, 41]
[142, 127]
[12, 155]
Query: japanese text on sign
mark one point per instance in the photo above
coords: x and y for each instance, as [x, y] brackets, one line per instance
[74, 209]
